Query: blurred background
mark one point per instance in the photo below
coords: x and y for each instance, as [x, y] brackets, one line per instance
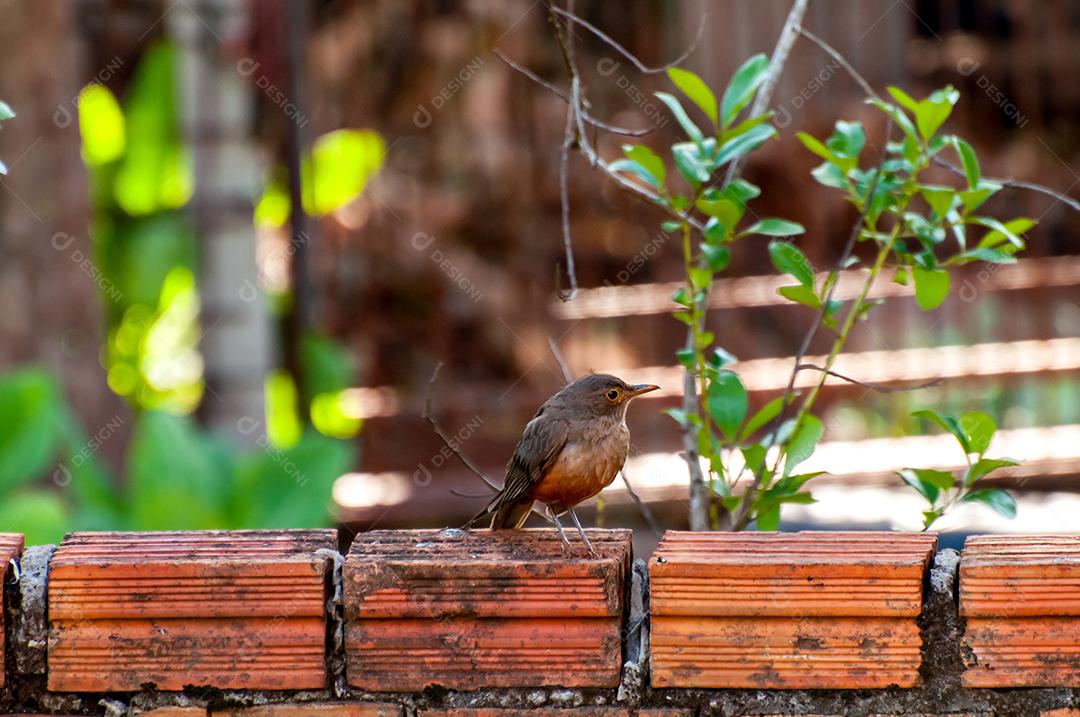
[237, 237]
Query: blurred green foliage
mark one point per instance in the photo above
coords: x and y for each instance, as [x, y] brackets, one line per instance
[175, 474]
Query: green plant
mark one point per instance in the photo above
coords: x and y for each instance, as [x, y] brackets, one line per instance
[941, 489]
[177, 476]
[905, 220]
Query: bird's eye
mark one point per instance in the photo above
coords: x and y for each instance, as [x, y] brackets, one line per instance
[612, 394]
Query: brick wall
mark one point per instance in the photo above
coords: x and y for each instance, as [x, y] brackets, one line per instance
[481, 624]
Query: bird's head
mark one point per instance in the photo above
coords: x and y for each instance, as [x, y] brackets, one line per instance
[602, 394]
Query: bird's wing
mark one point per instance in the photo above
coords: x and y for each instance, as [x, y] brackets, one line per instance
[536, 452]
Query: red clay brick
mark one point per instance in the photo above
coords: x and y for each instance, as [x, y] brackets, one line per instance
[175, 712]
[229, 609]
[476, 609]
[11, 547]
[787, 610]
[320, 709]
[553, 712]
[1063, 712]
[1020, 596]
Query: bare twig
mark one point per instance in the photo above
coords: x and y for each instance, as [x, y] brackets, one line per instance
[941, 162]
[1014, 184]
[568, 375]
[642, 505]
[841, 60]
[866, 384]
[445, 438]
[569, 15]
[564, 195]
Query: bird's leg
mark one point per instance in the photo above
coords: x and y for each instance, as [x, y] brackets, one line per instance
[581, 532]
[555, 519]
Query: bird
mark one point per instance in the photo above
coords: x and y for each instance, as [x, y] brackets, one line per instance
[572, 449]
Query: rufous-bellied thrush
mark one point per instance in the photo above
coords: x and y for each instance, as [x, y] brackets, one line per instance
[572, 449]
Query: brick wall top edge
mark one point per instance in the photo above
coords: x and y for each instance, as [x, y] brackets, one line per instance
[11, 545]
[480, 546]
[847, 548]
[275, 546]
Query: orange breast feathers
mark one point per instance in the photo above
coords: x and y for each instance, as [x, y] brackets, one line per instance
[583, 469]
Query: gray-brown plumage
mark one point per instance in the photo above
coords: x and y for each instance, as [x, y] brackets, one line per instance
[572, 449]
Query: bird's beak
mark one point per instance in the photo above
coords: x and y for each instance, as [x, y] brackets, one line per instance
[641, 388]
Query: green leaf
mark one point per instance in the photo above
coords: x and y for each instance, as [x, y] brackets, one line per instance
[948, 423]
[648, 159]
[924, 488]
[740, 191]
[775, 228]
[939, 198]
[802, 442]
[984, 466]
[999, 232]
[689, 164]
[101, 125]
[6, 112]
[903, 99]
[40, 515]
[969, 161]
[815, 146]
[340, 165]
[829, 175]
[717, 257]
[932, 112]
[993, 256]
[681, 117]
[931, 287]
[979, 428]
[745, 126]
[637, 169]
[765, 414]
[789, 259]
[31, 412]
[972, 199]
[896, 114]
[699, 277]
[727, 402]
[177, 477]
[721, 357]
[744, 144]
[997, 499]
[725, 212]
[769, 519]
[847, 140]
[696, 90]
[754, 457]
[742, 87]
[800, 295]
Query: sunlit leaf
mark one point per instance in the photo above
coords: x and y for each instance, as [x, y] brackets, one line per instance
[931, 287]
[997, 499]
[101, 125]
[696, 90]
[687, 124]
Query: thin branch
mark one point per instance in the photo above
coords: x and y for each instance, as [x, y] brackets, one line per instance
[445, 438]
[569, 15]
[642, 506]
[449, 443]
[568, 375]
[564, 194]
[1014, 184]
[841, 60]
[788, 35]
[880, 388]
[869, 91]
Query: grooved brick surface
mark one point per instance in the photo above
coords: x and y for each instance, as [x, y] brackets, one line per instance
[320, 709]
[553, 712]
[11, 546]
[1020, 596]
[811, 610]
[474, 609]
[229, 609]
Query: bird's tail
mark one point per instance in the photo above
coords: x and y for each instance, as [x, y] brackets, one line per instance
[503, 516]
